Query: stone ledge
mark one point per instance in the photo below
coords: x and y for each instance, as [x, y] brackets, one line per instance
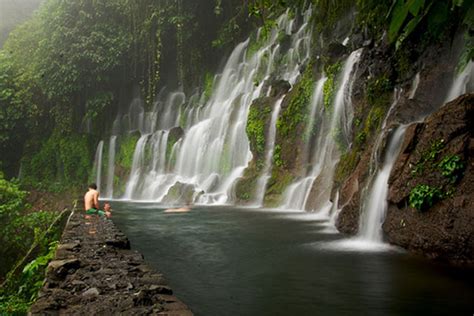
[95, 273]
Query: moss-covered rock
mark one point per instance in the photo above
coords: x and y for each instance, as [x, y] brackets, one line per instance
[124, 160]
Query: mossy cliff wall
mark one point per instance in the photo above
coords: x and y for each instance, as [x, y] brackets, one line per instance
[402, 77]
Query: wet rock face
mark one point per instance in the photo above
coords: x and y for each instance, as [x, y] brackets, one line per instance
[95, 273]
[443, 230]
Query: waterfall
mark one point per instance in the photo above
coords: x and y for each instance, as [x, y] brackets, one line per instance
[213, 151]
[270, 146]
[326, 154]
[111, 168]
[97, 169]
[137, 165]
[462, 83]
[375, 205]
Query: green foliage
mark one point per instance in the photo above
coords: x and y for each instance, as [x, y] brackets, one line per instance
[11, 199]
[277, 160]
[20, 227]
[63, 161]
[296, 111]
[208, 85]
[124, 157]
[17, 300]
[406, 15]
[423, 196]
[377, 89]
[327, 13]
[96, 104]
[330, 84]
[451, 167]
[428, 156]
[371, 15]
[346, 164]
[255, 129]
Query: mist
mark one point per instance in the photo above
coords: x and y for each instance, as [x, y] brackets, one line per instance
[13, 13]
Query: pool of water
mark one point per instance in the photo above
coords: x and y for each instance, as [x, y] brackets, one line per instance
[230, 261]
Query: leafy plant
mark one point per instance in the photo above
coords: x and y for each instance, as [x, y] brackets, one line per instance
[423, 196]
[428, 156]
[451, 167]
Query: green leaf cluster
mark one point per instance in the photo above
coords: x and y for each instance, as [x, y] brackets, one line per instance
[256, 120]
[423, 196]
[451, 167]
[296, 112]
[407, 15]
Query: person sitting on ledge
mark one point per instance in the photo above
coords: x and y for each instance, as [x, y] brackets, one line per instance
[91, 202]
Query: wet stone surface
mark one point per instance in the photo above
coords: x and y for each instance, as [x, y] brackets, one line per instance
[94, 272]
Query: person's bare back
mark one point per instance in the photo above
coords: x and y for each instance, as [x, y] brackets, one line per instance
[91, 198]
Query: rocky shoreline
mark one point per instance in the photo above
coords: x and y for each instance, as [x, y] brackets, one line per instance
[95, 272]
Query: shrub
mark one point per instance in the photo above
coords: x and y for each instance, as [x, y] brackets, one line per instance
[423, 196]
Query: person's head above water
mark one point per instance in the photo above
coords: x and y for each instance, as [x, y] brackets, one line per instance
[93, 186]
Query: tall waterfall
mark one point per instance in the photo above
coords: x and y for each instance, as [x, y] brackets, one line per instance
[326, 154]
[214, 151]
[270, 146]
[97, 168]
[111, 167]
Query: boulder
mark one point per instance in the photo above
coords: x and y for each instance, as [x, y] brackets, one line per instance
[442, 229]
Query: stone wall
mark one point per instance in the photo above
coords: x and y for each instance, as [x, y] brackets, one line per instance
[95, 272]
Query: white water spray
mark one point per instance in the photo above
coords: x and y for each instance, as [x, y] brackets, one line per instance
[98, 164]
[326, 153]
[111, 168]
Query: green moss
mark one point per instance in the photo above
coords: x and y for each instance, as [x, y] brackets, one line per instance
[208, 85]
[346, 165]
[124, 157]
[277, 161]
[257, 118]
[296, 111]
[276, 186]
[245, 188]
[329, 87]
[379, 90]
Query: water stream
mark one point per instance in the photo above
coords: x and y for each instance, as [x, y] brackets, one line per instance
[375, 205]
[270, 146]
[109, 192]
[335, 126]
[97, 168]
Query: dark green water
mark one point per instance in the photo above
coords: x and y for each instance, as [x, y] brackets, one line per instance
[228, 261]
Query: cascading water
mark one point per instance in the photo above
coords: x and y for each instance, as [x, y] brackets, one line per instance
[97, 168]
[375, 206]
[326, 154]
[137, 165]
[111, 167]
[214, 150]
[270, 146]
[462, 83]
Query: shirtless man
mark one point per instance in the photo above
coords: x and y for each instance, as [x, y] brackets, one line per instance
[91, 201]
